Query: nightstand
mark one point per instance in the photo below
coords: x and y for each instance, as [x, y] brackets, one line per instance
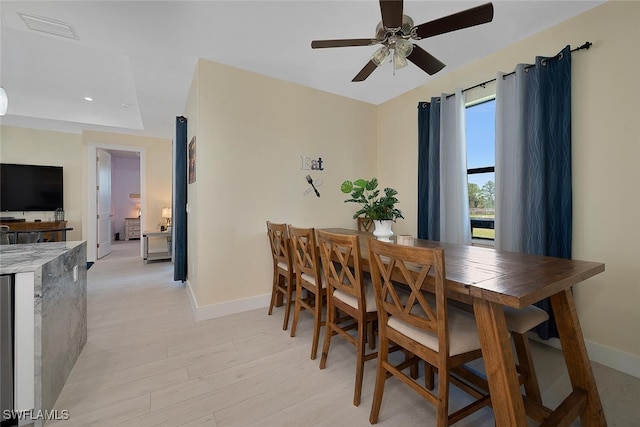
[131, 228]
[156, 246]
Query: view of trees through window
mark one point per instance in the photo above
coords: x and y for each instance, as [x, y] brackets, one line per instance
[482, 198]
[480, 132]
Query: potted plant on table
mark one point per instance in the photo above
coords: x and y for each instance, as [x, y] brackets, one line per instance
[375, 205]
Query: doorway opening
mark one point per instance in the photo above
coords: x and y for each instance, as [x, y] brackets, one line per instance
[122, 200]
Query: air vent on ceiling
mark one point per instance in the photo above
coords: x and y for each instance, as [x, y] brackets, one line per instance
[49, 26]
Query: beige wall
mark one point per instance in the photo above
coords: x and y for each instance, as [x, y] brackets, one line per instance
[40, 147]
[252, 131]
[606, 152]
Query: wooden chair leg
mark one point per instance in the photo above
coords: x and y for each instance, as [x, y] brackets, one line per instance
[362, 341]
[274, 292]
[525, 361]
[285, 323]
[317, 323]
[372, 334]
[381, 377]
[428, 376]
[442, 417]
[296, 310]
[328, 332]
[413, 370]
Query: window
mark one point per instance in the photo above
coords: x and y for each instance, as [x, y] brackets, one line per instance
[481, 160]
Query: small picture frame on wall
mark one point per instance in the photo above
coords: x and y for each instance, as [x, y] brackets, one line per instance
[192, 160]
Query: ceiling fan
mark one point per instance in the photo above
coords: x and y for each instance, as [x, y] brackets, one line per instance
[395, 30]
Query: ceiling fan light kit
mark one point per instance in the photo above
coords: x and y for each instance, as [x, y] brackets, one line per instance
[395, 31]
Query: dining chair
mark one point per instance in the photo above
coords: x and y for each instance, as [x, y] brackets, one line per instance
[283, 272]
[29, 237]
[519, 323]
[442, 336]
[310, 279]
[365, 224]
[4, 236]
[351, 302]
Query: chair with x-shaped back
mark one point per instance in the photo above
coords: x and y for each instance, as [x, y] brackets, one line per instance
[350, 296]
[365, 224]
[444, 337]
[310, 284]
[283, 273]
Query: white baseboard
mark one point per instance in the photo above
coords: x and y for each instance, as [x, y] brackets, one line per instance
[226, 308]
[614, 358]
[608, 356]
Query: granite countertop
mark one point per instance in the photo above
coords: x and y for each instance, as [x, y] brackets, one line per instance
[29, 257]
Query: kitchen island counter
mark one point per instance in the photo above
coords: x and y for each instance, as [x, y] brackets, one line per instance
[50, 317]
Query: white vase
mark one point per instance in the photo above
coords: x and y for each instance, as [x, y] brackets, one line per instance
[382, 230]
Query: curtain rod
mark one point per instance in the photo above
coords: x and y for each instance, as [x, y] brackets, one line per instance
[586, 45]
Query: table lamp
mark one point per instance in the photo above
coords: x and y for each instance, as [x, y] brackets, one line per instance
[166, 213]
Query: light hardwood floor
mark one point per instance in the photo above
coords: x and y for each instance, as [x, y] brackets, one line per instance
[147, 363]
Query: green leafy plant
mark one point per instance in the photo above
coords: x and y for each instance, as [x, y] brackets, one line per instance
[375, 205]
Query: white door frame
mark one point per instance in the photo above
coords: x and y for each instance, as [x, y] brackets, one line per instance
[92, 235]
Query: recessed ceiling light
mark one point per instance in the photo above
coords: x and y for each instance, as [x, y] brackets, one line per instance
[88, 98]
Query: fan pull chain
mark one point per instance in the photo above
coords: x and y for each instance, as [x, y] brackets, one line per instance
[393, 62]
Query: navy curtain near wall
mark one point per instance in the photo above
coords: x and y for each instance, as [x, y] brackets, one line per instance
[547, 157]
[429, 170]
[180, 201]
[547, 166]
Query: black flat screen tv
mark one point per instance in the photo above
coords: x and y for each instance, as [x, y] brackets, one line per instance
[30, 188]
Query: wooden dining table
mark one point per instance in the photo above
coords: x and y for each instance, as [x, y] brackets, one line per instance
[489, 279]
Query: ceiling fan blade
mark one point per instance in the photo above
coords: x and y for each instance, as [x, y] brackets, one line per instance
[320, 44]
[365, 72]
[423, 59]
[391, 11]
[465, 19]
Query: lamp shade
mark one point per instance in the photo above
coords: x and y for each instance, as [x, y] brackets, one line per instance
[4, 101]
[399, 61]
[403, 48]
[166, 212]
[380, 55]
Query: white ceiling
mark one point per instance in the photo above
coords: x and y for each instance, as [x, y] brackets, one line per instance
[136, 59]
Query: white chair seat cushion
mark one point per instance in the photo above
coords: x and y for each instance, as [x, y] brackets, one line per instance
[524, 319]
[283, 265]
[463, 333]
[369, 297]
[309, 278]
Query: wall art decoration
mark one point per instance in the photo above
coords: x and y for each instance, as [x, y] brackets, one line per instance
[192, 160]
